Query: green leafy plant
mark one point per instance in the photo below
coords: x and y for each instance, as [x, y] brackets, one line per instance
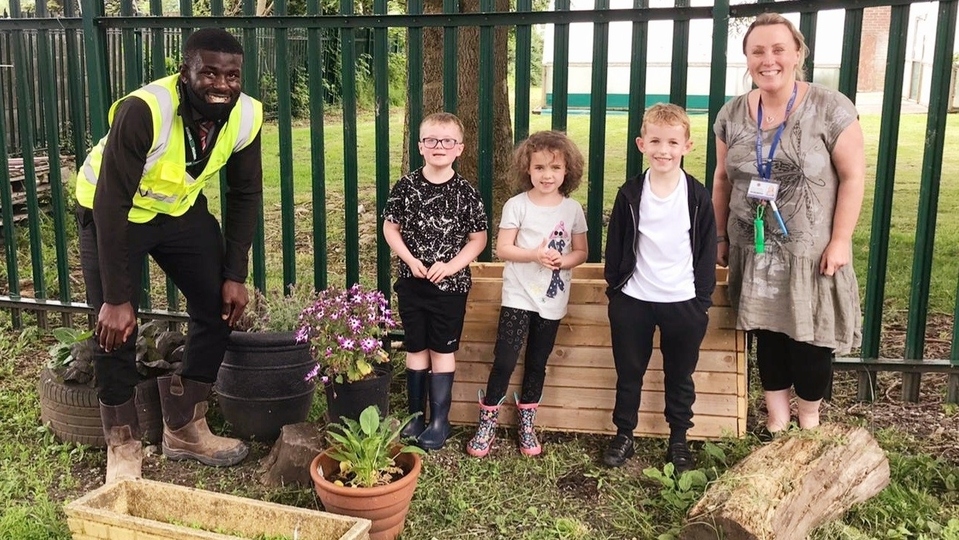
[71, 344]
[367, 450]
[677, 495]
[158, 352]
[275, 312]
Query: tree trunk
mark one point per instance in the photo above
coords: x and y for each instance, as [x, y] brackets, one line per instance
[288, 463]
[468, 56]
[787, 488]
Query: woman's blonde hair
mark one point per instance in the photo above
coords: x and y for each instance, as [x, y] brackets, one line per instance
[770, 19]
[551, 141]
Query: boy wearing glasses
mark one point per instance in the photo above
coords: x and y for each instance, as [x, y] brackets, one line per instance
[436, 224]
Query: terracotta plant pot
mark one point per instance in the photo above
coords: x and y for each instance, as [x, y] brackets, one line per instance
[386, 506]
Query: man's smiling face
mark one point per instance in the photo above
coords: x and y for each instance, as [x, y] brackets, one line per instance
[214, 77]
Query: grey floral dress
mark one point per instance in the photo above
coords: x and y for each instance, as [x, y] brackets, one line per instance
[782, 290]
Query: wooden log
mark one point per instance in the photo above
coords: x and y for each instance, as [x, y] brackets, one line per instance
[789, 487]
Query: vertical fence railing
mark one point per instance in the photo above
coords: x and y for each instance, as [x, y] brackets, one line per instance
[929, 192]
[119, 53]
[487, 37]
[6, 210]
[882, 200]
[318, 145]
[414, 83]
[597, 135]
[637, 90]
[717, 82]
[52, 118]
[351, 200]
[560, 71]
[25, 100]
[521, 104]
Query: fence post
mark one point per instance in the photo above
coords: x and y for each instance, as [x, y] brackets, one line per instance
[597, 135]
[882, 200]
[637, 91]
[717, 83]
[381, 66]
[94, 47]
[929, 192]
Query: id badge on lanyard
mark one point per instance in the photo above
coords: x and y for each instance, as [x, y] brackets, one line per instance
[763, 189]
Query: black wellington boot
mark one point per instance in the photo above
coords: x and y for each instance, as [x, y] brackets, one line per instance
[416, 382]
[441, 395]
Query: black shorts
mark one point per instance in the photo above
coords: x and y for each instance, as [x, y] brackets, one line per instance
[432, 319]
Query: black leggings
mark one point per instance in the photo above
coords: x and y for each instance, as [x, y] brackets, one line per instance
[514, 326]
[784, 362]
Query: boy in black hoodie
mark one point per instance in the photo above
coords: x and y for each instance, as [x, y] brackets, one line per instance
[660, 271]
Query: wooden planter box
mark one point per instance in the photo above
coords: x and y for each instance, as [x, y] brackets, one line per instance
[580, 377]
[148, 510]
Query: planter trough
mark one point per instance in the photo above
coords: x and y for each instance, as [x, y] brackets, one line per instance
[145, 509]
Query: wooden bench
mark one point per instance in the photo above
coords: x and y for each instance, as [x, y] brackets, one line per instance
[580, 377]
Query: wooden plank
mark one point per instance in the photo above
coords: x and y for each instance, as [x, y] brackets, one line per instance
[605, 398]
[602, 357]
[599, 421]
[583, 271]
[490, 289]
[717, 339]
[582, 291]
[589, 315]
[600, 378]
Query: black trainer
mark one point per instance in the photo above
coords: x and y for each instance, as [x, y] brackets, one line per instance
[619, 450]
[681, 458]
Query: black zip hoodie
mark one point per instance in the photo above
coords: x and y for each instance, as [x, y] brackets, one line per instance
[621, 237]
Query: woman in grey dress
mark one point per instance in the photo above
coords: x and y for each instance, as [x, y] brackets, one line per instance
[787, 192]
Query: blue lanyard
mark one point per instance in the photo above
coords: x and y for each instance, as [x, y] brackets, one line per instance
[766, 172]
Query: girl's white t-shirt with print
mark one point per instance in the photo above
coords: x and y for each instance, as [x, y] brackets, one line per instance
[530, 285]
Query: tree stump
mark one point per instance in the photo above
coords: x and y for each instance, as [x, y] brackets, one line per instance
[789, 487]
[289, 460]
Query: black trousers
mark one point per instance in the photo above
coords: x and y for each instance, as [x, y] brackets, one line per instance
[784, 362]
[515, 325]
[682, 326]
[189, 249]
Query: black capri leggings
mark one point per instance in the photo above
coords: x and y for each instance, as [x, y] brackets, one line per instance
[784, 362]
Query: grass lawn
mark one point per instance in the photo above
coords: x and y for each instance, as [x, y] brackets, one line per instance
[564, 494]
[945, 265]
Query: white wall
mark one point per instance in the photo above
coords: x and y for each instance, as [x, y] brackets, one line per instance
[920, 49]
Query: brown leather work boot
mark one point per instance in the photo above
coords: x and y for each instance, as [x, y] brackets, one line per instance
[121, 428]
[186, 434]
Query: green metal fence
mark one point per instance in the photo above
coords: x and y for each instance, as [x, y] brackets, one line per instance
[102, 69]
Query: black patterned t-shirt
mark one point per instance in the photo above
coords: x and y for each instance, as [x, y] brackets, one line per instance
[435, 222]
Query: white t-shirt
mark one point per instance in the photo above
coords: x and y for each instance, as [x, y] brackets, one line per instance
[664, 264]
[531, 286]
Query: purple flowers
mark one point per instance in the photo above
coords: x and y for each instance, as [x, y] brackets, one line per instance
[344, 329]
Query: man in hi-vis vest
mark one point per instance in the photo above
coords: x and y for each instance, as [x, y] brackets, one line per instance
[140, 193]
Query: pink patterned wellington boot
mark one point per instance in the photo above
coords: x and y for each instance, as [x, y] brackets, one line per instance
[528, 443]
[482, 442]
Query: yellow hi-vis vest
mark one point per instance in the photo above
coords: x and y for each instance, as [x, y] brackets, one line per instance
[165, 185]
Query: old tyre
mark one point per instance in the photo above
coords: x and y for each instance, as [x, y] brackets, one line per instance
[73, 412]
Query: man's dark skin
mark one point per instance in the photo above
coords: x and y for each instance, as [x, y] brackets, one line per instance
[214, 76]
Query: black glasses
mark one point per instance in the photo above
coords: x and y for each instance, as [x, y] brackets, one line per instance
[431, 142]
